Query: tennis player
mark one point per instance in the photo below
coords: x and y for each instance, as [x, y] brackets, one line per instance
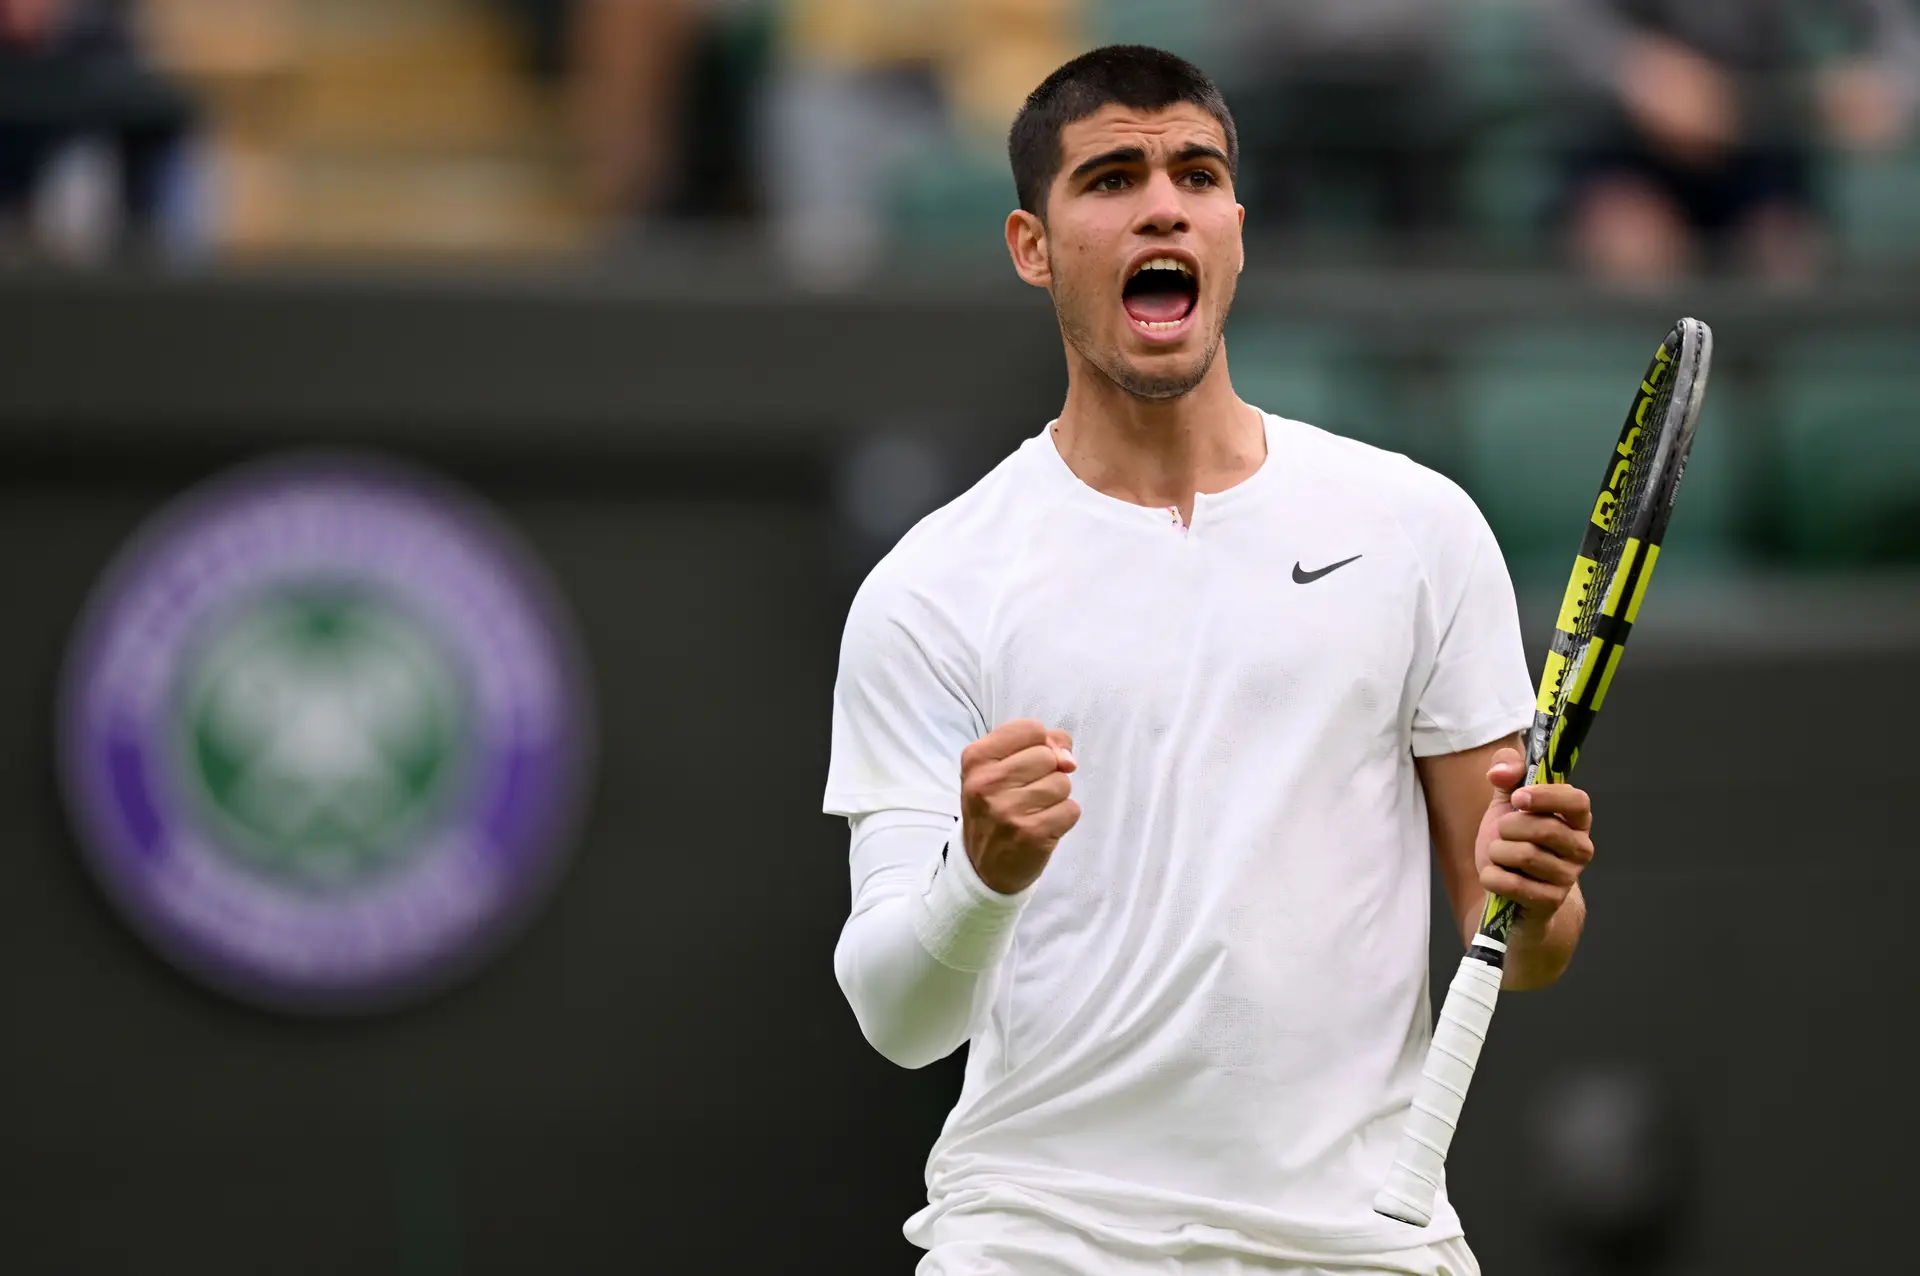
[1145, 742]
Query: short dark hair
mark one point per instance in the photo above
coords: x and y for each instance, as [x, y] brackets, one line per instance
[1134, 75]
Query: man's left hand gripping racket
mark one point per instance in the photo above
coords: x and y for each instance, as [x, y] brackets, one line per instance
[1610, 577]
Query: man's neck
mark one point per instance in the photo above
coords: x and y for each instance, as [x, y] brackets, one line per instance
[1158, 452]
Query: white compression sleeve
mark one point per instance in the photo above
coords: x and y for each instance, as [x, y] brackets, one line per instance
[924, 937]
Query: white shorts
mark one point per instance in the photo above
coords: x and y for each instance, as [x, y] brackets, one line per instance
[1020, 1245]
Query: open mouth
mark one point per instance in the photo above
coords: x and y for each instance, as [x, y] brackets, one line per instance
[1160, 294]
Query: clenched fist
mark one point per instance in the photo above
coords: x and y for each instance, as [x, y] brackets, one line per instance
[1016, 801]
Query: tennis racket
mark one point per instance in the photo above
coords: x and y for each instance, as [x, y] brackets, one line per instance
[1617, 554]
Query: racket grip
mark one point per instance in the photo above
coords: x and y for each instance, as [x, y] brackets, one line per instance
[1420, 1164]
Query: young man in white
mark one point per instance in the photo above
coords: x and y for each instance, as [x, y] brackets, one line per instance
[1145, 741]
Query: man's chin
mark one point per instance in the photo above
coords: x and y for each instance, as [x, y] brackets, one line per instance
[1156, 381]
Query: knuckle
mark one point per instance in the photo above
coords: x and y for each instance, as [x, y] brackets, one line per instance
[1537, 830]
[1524, 888]
[1532, 840]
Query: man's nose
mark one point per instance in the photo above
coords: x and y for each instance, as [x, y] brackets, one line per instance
[1162, 211]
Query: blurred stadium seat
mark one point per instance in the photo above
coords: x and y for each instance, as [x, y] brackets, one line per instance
[954, 198]
[1507, 177]
[1544, 403]
[1507, 185]
[1848, 439]
[1876, 205]
[1320, 376]
[373, 126]
[1288, 370]
[1180, 28]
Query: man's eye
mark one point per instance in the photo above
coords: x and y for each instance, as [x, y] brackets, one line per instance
[1110, 182]
[1199, 177]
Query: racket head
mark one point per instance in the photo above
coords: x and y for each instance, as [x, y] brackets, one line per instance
[1618, 550]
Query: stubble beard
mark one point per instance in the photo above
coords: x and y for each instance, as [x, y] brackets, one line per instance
[1113, 364]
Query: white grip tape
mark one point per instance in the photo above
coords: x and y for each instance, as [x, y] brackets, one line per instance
[1421, 1161]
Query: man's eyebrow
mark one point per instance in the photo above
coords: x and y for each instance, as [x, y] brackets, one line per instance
[1199, 150]
[1119, 155]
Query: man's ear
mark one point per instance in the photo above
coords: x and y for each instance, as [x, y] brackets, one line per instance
[1027, 245]
[1241, 209]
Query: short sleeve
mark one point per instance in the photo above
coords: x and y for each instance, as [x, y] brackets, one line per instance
[904, 704]
[1476, 689]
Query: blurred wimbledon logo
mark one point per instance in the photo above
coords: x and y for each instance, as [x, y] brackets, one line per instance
[324, 730]
[324, 733]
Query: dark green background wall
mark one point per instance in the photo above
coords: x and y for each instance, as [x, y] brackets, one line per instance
[660, 1074]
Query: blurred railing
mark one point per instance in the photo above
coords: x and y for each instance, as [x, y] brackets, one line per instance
[1809, 453]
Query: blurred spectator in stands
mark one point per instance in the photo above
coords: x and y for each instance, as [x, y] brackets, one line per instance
[660, 97]
[864, 86]
[631, 60]
[75, 84]
[1347, 109]
[1708, 118]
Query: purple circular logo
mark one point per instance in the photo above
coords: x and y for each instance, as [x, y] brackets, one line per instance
[324, 733]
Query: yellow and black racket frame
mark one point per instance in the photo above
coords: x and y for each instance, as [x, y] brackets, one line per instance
[1618, 550]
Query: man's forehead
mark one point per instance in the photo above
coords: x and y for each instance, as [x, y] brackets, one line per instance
[1166, 129]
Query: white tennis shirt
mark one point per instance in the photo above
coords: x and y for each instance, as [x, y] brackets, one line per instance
[1213, 1010]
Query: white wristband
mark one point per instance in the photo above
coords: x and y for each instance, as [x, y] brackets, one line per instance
[963, 923]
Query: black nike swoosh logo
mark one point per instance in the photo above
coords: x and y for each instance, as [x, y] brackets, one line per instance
[1307, 578]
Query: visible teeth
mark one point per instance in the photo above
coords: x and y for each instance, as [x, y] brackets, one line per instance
[1160, 327]
[1164, 263]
